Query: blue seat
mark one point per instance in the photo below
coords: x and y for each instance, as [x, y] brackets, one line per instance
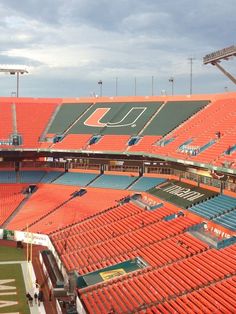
[8, 176]
[30, 176]
[146, 183]
[113, 181]
[211, 208]
[75, 178]
[51, 176]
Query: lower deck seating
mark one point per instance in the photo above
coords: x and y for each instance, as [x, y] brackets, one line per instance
[227, 220]
[59, 209]
[163, 288]
[10, 197]
[122, 232]
[214, 207]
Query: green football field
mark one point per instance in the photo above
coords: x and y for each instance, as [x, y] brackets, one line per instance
[11, 254]
[11, 276]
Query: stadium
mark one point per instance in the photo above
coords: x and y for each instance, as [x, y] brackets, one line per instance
[120, 204]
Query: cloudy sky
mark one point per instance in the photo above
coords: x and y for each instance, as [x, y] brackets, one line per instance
[133, 46]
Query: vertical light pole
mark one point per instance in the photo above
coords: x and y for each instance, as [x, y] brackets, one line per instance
[116, 86]
[152, 84]
[100, 83]
[171, 80]
[17, 72]
[191, 75]
[17, 84]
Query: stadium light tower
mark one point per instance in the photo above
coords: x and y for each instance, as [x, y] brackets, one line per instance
[100, 84]
[14, 71]
[172, 80]
[191, 75]
[216, 57]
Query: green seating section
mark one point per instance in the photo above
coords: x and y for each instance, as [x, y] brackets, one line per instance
[181, 194]
[173, 114]
[67, 114]
[115, 118]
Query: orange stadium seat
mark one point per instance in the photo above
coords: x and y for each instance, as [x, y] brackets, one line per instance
[32, 119]
[11, 195]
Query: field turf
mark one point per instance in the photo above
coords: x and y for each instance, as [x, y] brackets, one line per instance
[8, 253]
[12, 271]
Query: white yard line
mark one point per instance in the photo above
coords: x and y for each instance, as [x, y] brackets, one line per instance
[28, 272]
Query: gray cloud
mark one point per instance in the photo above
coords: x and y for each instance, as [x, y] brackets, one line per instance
[70, 44]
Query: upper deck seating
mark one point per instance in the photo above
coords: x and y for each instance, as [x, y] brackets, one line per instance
[31, 120]
[144, 144]
[73, 142]
[110, 143]
[68, 113]
[120, 118]
[172, 115]
[6, 120]
[200, 131]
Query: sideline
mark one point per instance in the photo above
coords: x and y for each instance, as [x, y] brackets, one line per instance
[35, 309]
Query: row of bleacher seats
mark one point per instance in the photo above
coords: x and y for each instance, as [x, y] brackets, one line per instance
[10, 197]
[76, 178]
[218, 297]
[6, 120]
[110, 241]
[28, 176]
[40, 113]
[220, 208]
[210, 209]
[145, 183]
[202, 128]
[113, 181]
[7, 177]
[215, 206]
[52, 207]
[227, 220]
[122, 182]
[163, 288]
